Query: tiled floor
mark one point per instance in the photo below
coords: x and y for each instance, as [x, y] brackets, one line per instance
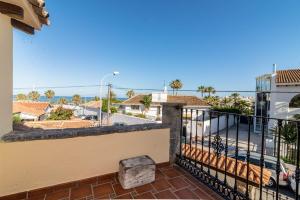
[171, 183]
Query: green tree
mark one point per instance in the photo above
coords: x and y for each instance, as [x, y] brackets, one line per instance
[176, 85]
[104, 107]
[296, 116]
[62, 101]
[49, 94]
[61, 114]
[147, 100]
[212, 100]
[17, 119]
[210, 90]
[236, 97]
[76, 99]
[21, 97]
[244, 106]
[201, 89]
[34, 95]
[226, 101]
[96, 98]
[130, 93]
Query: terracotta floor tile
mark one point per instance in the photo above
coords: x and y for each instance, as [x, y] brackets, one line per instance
[58, 195]
[178, 183]
[125, 196]
[64, 186]
[147, 195]
[167, 194]
[164, 168]
[119, 189]
[21, 195]
[144, 188]
[162, 165]
[161, 184]
[92, 180]
[39, 192]
[102, 197]
[41, 197]
[80, 192]
[108, 178]
[202, 194]
[186, 194]
[101, 190]
[171, 173]
[159, 175]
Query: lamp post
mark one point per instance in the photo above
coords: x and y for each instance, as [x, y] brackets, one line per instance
[101, 83]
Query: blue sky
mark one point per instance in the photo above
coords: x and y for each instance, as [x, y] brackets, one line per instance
[222, 43]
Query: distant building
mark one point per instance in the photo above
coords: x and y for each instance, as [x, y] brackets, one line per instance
[134, 105]
[32, 111]
[90, 108]
[278, 96]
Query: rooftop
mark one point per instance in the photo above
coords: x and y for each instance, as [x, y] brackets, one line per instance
[188, 100]
[171, 182]
[291, 76]
[26, 15]
[32, 108]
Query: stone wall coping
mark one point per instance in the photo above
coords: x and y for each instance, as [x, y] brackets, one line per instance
[78, 132]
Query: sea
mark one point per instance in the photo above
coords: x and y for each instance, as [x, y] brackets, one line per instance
[69, 98]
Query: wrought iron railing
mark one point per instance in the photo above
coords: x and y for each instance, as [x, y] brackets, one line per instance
[222, 150]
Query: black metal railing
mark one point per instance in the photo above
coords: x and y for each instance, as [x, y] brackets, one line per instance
[222, 150]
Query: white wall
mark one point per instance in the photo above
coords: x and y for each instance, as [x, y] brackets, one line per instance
[279, 102]
[29, 117]
[6, 74]
[214, 125]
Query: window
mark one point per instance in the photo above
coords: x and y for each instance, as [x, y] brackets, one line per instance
[135, 107]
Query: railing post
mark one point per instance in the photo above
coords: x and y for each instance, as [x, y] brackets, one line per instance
[172, 115]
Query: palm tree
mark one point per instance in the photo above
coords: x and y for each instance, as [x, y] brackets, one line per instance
[62, 101]
[34, 95]
[96, 98]
[21, 97]
[235, 96]
[210, 90]
[212, 100]
[244, 106]
[49, 94]
[147, 100]
[226, 101]
[176, 85]
[76, 99]
[202, 89]
[130, 93]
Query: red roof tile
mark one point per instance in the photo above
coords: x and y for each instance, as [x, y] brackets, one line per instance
[188, 100]
[32, 108]
[219, 163]
[290, 76]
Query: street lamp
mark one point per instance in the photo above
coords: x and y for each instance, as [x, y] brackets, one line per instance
[115, 73]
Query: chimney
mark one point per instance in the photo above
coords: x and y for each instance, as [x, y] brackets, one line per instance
[274, 68]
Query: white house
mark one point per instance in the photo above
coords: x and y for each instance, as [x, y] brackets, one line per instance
[27, 16]
[89, 108]
[134, 105]
[281, 97]
[32, 111]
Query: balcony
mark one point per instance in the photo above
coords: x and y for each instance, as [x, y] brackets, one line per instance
[198, 155]
[171, 183]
